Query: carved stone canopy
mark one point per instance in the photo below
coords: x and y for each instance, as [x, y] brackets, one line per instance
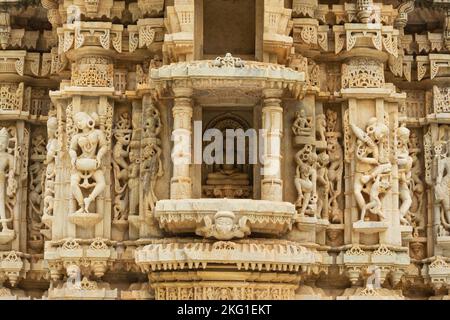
[186, 216]
[247, 77]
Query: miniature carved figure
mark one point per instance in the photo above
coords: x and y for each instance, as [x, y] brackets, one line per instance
[133, 182]
[404, 162]
[335, 171]
[416, 188]
[373, 281]
[331, 120]
[151, 165]
[321, 124]
[442, 188]
[35, 171]
[323, 185]
[120, 155]
[73, 277]
[53, 147]
[302, 125]
[417, 250]
[8, 183]
[224, 227]
[305, 180]
[152, 168]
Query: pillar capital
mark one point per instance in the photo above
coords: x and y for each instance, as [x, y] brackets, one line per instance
[182, 92]
[272, 93]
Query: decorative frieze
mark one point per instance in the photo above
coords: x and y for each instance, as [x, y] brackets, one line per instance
[93, 71]
[441, 99]
[104, 34]
[247, 255]
[224, 291]
[362, 73]
[309, 32]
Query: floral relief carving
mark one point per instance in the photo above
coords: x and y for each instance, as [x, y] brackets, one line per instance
[362, 73]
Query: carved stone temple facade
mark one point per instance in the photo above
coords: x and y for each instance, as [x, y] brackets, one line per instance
[103, 104]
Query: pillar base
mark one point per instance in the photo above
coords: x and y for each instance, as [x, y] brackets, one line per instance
[272, 189]
[181, 188]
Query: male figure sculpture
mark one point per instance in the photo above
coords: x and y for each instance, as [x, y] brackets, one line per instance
[370, 163]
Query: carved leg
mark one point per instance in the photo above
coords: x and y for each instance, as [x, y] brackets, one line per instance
[99, 187]
[363, 211]
[3, 206]
[446, 205]
[358, 193]
[406, 199]
[75, 179]
[320, 206]
[151, 196]
[377, 208]
[134, 201]
[306, 198]
[298, 186]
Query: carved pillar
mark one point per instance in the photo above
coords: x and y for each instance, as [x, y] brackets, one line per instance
[272, 125]
[372, 135]
[181, 183]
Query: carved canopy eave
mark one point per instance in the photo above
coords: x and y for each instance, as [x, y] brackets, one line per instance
[270, 255]
[205, 75]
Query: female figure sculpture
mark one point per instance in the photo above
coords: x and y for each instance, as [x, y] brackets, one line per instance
[8, 184]
[442, 188]
[87, 149]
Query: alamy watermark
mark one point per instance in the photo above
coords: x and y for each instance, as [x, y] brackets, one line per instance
[228, 146]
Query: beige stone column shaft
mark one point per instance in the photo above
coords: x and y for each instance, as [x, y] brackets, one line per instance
[272, 125]
[181, 182]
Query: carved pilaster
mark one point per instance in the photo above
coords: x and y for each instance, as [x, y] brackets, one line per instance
[272, 125]
[181, 182]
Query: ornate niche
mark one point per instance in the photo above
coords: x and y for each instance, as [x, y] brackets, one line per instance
[93, 71]
[362, 73]
[227, 180]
